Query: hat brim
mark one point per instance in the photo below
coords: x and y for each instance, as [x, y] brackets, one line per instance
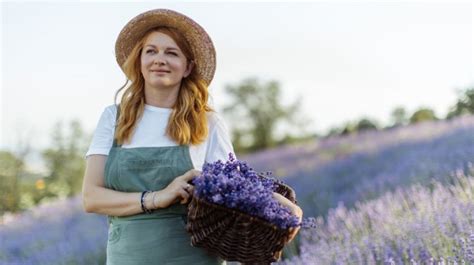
[200, 42]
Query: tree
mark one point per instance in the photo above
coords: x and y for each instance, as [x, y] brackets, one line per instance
[10, 165]
[64, 159]
[423, 114]
[399, 116]
[464, 105]
[257, 110]
[366, 124]
[12, 171]
[332, 131]
[348, 128]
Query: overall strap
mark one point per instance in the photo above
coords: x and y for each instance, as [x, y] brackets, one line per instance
[115, 127]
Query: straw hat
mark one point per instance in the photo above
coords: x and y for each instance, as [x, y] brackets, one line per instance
[200, 42]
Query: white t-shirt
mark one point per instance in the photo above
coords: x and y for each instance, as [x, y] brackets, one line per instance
[150, 132]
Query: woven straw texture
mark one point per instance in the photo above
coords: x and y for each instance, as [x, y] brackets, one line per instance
[234, 235]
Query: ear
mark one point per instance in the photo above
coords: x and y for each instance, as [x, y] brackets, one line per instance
[189, 68]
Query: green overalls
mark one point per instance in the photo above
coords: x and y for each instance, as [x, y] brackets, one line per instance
[160, 237]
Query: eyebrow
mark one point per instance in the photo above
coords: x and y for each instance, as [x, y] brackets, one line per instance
[168, 48]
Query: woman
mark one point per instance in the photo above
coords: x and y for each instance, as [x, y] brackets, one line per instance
[146, 150]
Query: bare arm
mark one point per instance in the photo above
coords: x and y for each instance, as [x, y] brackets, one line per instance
[98, 199]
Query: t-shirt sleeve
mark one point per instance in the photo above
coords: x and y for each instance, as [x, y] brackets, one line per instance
[220, 144]
[103, 137]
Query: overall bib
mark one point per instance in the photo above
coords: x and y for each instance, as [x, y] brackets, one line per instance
[160, 237]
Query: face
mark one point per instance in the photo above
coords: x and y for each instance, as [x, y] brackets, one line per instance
[161, 52]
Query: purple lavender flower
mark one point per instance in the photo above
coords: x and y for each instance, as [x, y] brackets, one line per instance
[234, 184]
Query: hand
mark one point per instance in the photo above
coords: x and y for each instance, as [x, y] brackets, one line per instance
[295, 210]
[179, 190]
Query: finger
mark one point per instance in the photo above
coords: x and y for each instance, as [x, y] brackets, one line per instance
[184, 194]
[191, 190]
[290, 238]
[177, 199]
[185, 198]
[191, 174]
[293, 235]
[183, 201]
[293, 231]
[189, 187]
[287, 203]
[197, 172]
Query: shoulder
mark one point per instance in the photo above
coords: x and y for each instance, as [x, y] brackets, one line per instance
[111, 110]
[215, 120]
[103, 135]
[217, 125]
[219, 144]
[109, 114]
[107, 119]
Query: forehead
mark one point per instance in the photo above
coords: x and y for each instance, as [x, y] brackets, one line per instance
[161, 40]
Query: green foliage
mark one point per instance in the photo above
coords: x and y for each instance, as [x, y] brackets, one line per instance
[366, 124]
[348, 128]
[423, 114]
[64, 160]
[10, 167]
[464, 105]
[256, 110]
[290, 139]
[20, 188]
[354, 127]
[399, 116]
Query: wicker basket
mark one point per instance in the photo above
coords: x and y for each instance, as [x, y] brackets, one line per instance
[234, 235]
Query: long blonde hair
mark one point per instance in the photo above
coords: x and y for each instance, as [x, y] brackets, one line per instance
[187, 123]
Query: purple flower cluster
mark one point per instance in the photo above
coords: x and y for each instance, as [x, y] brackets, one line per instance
[363, 166]
[55, 232]
[235, 185]
[415, 225]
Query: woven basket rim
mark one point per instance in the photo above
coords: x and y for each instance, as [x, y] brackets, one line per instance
[259, 219]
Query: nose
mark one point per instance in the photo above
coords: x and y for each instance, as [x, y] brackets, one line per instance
[160, 59]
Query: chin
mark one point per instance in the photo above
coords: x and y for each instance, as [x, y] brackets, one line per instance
[162, 84]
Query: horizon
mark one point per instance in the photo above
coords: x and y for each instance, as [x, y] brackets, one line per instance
[368, 57]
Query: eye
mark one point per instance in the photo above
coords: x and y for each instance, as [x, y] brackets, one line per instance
[149, 51]
[173, 53]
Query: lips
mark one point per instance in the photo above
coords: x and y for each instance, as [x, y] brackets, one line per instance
[160, 71]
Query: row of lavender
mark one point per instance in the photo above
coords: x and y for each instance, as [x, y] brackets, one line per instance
[408, 226]
[364, 166]
[59, 232]
[350, 169]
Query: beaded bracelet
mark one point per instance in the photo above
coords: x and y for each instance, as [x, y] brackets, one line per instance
[145, 210]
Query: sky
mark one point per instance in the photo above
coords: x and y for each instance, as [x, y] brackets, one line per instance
[346, 60]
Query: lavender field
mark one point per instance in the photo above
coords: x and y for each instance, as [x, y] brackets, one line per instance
[381, 197]
[363, 166]
[408, 226]
[55, 233]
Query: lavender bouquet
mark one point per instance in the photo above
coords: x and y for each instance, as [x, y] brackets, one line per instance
[235, 185]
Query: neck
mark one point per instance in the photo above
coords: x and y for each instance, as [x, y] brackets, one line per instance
[161, 97]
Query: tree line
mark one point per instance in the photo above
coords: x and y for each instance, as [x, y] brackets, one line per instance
[256, 110]
[255, 113]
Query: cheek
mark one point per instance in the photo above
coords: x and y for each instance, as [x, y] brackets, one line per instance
[179, 66]
[146, 61]
[145, 65]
